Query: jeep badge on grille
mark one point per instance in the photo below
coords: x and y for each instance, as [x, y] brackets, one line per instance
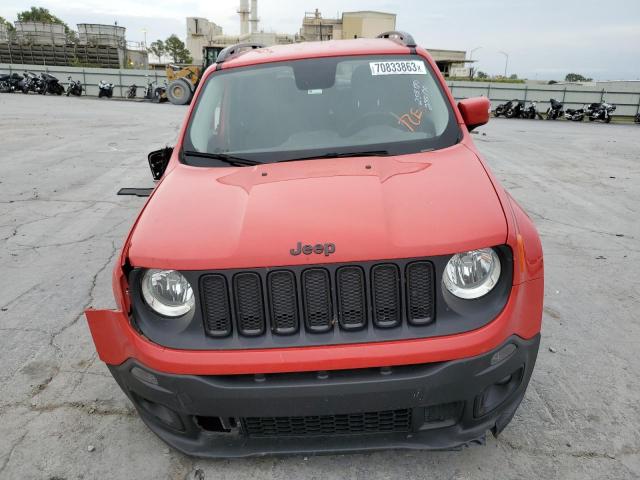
[319, 249]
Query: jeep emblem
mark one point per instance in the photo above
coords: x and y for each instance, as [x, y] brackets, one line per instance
[319, 249]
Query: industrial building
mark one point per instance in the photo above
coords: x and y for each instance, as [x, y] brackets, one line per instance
[315, 28]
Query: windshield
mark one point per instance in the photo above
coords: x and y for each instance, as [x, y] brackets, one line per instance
[324, 106]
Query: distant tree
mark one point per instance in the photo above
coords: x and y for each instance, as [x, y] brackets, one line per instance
[177, 50]
[39, 14]
[482, 75]
[513, 76]
[158, 49]
[576, 77]
[7, 24]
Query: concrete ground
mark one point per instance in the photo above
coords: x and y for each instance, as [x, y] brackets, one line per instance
[63, 417]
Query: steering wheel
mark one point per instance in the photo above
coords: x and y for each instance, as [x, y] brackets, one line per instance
[370, 119]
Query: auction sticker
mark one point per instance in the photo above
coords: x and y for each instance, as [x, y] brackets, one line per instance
[409, 67]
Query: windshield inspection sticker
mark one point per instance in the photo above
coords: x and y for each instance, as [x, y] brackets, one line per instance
[411, 67]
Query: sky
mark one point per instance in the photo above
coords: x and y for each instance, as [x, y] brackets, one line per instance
[544, 39]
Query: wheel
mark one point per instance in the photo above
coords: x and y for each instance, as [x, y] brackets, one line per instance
[510, 113]
[179, 92]
[607, 120]
[101, 94]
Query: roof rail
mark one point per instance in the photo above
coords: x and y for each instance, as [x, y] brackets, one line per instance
[227, 52]
[402, 37]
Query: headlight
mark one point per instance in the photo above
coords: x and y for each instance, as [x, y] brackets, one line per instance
[472, 274]
[167, 292]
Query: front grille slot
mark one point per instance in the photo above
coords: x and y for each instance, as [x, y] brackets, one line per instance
[387, 421]
[420, 293]
[215, 305]
[352, 302]
[283, 302]
[249, 303]
[316, 289]
[387, 300]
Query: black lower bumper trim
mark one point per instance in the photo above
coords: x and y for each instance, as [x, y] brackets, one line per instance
[444, 405]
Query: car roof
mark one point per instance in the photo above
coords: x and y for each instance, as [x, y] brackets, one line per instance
[329, 48]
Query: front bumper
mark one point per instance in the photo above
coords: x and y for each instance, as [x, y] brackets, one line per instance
[450, 404]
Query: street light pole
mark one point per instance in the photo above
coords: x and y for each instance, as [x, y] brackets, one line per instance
[506, 62]
[472, 68]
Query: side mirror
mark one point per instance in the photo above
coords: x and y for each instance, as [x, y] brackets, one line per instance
[158, 161]
[475, 111]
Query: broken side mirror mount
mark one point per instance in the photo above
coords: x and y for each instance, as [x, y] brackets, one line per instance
[474, 111]
[158, 161]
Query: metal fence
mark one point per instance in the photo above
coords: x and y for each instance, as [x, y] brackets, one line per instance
[90, 77]
[573, 96]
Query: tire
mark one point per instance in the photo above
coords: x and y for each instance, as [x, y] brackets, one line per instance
[101, 94]
[607, 120]
[510, 113]
[179, 92]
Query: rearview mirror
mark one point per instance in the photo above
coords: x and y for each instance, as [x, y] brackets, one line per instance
[475, 111]
[158, 161]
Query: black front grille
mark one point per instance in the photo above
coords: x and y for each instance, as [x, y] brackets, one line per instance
[387, 421]
[315, 300]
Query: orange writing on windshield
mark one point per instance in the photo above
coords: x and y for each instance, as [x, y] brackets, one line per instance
[412, 119]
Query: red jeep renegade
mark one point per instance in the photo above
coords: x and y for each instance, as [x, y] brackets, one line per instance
[326, 263]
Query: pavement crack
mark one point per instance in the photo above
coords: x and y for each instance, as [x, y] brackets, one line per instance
[13, 449]
[90, 299]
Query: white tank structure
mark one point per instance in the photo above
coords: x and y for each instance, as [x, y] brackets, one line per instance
[102, 35]
[4, 34]
[38, 33]
[243, 11]
[254, 16]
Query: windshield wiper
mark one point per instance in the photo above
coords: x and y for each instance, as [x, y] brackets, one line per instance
[230, 159]
[364, 153]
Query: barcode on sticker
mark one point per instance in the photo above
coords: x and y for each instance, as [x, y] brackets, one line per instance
[409, 67]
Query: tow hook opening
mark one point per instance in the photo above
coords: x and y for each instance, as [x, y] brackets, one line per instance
[495, 395]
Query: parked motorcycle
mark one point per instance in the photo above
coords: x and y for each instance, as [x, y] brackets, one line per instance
[157, 94]
[74, 87]
[637, 118]
[516, 110]
[31, 83]
[10, 82]
[576, 114]
[133, 91]
[160, 94]
[503, 108]
[601, 112]
[105, 89]
[555, 110]
[531, 112]
[50, 84]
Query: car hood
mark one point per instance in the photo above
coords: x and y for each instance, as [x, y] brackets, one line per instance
[373, 208]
